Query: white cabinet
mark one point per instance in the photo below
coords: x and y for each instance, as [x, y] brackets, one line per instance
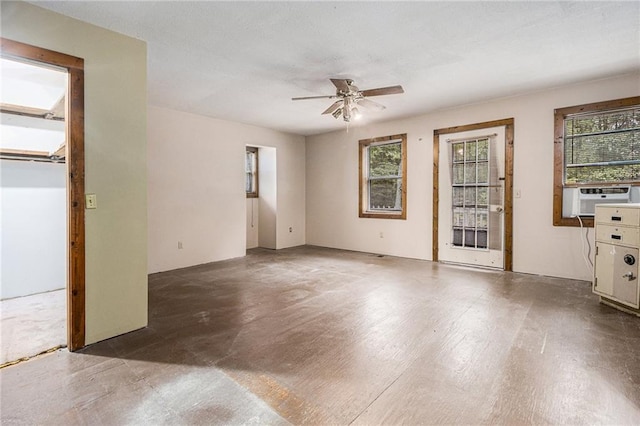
[617, 229]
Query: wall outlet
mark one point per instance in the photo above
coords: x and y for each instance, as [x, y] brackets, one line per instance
[179, 245]
[382, 235]
[291, 229]
[518, 193]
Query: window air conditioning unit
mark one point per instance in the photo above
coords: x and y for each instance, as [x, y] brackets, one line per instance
[589, 197]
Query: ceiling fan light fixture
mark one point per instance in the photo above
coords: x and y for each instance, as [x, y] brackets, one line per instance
[346, 114]
[348, 96]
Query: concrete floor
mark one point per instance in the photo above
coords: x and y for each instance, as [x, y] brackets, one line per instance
[32, 324]
[321, 336]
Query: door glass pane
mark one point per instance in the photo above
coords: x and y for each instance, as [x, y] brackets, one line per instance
[458, 196]
[471, 193]
[481, 240]
[471, 151]
[458, 173]
[483, 172]
[458, 217]
[458, 151]
[470, 172]
[482, 219]
[482, 195]
[469, 218]
[483, 149]
[457, 237]
[469, 238]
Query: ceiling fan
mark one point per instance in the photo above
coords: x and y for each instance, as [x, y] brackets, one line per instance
[350, 98]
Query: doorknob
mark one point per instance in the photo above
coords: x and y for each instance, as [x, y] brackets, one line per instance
[499, 209]
[629, 276]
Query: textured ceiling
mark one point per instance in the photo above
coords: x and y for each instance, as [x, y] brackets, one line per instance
[244, 61]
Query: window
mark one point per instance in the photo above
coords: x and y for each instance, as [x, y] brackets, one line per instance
[595, 145]
[383, 177]
[251, 169]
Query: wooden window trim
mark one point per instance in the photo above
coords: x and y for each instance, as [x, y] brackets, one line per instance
[362, 204]
[558, 154]
[508, 124]
[256, 193]
[75, 174]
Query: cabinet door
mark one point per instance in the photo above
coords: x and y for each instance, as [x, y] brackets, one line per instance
[604, 269]
[616, 273]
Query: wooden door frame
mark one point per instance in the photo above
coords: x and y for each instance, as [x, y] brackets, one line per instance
[74, 124]
[508, 182]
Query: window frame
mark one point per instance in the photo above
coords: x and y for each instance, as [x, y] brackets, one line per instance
[560, 115]
[255, 174]
[363, 180]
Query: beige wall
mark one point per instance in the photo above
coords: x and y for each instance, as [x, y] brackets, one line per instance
[197, 193]
[115, 161]
[539, 247]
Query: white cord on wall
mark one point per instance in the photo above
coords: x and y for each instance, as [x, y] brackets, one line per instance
[586, 256]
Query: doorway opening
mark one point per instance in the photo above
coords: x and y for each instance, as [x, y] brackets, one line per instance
[472, 197]
[261, 205]
[42, 155]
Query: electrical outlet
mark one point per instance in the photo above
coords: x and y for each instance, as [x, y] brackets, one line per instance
[90, 201]
[291, 229]
[382, 235]
[518, 194]
[179, 245]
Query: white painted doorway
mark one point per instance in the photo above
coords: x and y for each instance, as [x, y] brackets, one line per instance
[472, 197]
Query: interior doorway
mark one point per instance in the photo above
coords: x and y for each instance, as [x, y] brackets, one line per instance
[68, 109]
[261, 206]
[473, 181]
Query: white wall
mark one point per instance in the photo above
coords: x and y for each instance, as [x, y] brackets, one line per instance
[33, 227]
[115, 160]
[268, 218]
[539, 247]
[196, 188]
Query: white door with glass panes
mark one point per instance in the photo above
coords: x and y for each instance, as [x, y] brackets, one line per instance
[471, 197]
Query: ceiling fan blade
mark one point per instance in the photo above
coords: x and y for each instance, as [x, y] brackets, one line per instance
[370, 104]
[341, 84]
[314, 97]
[333, 107]
[391, 90]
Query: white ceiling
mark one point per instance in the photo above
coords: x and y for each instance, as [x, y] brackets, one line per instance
[244, 61]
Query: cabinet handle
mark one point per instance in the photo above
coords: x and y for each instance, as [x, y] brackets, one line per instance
[616, 237]
[616, 218]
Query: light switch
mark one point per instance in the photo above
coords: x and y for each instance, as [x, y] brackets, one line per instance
[90, 201]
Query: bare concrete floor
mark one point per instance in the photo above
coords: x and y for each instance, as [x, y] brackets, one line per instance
[321, 336]
[32, 324]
